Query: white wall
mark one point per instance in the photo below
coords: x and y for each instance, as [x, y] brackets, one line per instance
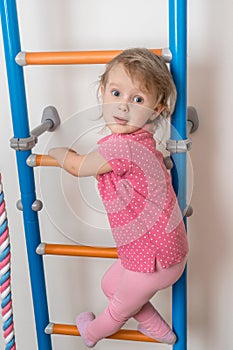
[74, 284]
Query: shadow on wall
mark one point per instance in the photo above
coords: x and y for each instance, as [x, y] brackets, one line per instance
[208, 246]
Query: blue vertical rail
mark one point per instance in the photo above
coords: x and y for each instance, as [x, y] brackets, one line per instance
[16, 85]
[178, 47]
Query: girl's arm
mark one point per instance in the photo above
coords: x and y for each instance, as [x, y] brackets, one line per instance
[91, 164]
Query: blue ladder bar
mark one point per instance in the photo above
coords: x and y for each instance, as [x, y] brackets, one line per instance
[178, 47]
[17, 94]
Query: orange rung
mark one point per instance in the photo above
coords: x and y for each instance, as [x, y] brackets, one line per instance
[123, 334]
[75, 57]
[42, 160]
[75, 250]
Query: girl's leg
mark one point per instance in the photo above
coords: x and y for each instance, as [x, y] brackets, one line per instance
[131, 298]
[109, 284]
[111, 279]
[148, 316]
[150, 321]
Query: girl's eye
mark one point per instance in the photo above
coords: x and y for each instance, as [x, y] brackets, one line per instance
[138, 99]
[116, 93]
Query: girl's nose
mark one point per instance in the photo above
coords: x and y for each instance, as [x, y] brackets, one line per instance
[123, 107]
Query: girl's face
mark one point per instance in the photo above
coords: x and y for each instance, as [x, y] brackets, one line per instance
[126, 108]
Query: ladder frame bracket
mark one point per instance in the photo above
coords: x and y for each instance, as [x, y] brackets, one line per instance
[179, 146]
[23, 144]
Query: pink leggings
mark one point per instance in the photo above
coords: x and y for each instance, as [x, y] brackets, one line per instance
[129, 293]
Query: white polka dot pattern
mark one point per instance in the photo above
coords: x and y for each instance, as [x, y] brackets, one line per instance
[140, 202]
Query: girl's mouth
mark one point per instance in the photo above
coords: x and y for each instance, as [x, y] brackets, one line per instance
[120, 121]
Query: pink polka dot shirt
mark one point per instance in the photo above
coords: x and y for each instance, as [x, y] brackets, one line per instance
[140, 202]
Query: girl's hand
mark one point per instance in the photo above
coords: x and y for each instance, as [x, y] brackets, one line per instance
[60, 154]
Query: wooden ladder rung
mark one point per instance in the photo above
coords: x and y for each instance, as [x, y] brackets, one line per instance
[122, 334]
[76, 57]
[76, 250]
[35, 160]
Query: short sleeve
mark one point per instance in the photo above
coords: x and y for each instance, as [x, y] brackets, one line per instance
[116, 152]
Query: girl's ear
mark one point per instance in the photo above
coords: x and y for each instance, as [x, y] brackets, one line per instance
[102, 90]
[159, 109]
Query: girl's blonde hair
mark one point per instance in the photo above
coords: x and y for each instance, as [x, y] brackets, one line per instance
[153, 73]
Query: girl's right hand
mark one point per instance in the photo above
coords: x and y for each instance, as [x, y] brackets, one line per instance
[59, 153]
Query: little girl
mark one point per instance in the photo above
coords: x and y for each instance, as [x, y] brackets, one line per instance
[137, 89]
